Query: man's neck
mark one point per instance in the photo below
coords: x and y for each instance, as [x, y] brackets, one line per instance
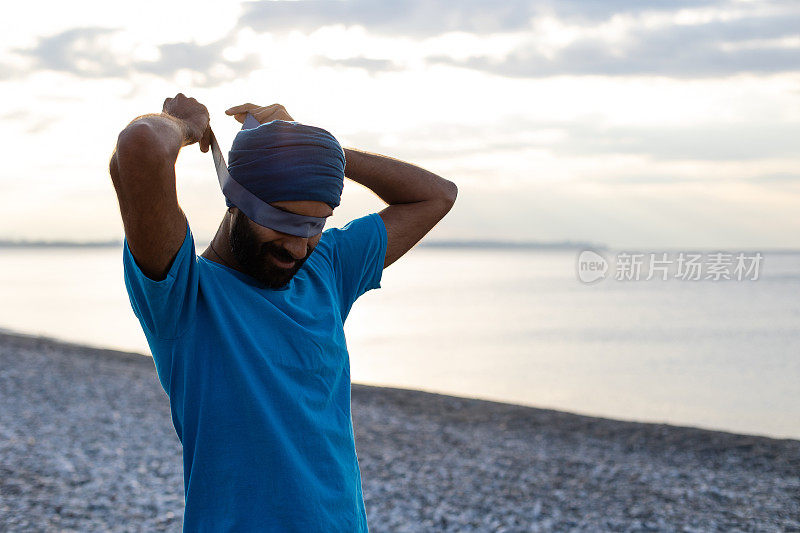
[220, 245]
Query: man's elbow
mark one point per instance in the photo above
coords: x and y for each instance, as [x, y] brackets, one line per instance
[450, 191]
[138, 136]
[139, 145]
[446, 199]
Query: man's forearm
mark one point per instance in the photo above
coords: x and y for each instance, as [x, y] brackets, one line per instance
[395, 181]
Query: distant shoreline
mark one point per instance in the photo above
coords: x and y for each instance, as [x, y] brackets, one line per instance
[60, 244]
[565, 245]
[445, 245]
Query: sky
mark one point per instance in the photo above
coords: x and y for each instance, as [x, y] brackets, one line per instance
[646, 124]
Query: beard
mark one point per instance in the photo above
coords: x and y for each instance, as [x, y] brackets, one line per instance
[255, 257]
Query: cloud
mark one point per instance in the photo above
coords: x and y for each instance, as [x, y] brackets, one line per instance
[415, 18]
[779, 178]
[756, 44]
[676, 38]
[86, 53]
[594, 59]
[369, 64]
[423, 18]
[663, 178]
[17, 114]
[712, 142]
[81, 51]
[717, 142]
[206, 60]
[685, 39]
[10, 72]
[28, 122]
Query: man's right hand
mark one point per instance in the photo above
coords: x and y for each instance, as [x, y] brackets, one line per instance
[194, 117]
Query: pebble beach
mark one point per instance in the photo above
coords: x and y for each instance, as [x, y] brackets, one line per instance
[87, 444]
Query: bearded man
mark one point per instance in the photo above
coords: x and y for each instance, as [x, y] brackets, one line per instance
[247, 338]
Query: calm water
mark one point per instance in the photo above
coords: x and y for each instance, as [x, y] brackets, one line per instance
[508, 325]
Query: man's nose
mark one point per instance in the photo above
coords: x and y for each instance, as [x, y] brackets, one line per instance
[296, 247]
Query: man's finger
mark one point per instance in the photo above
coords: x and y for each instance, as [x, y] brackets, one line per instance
[263, 115]
[206, 140]
[270, 110]
[240, 109]
[244, 108]
[273, 112]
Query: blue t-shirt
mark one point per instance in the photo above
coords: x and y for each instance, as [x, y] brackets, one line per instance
[258, 381]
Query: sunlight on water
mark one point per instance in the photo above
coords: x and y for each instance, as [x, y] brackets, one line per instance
[508, 325]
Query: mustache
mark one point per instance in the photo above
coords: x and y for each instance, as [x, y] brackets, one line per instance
[280, 254]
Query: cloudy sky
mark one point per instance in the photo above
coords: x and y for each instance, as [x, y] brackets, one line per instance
[625, 122]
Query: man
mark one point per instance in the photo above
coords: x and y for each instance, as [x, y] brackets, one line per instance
[247, 338]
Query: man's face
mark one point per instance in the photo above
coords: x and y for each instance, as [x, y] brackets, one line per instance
[259, 250]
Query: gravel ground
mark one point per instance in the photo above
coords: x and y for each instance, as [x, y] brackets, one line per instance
[86, 444]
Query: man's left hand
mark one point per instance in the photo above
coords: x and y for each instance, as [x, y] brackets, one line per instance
[262, 114]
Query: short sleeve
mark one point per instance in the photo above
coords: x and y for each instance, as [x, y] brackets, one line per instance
[165, 308]
[358, 252]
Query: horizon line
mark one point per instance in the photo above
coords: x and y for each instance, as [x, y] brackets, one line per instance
[55, 243]
[442, 243]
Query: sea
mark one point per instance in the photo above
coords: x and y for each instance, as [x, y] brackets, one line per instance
[522, 325]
